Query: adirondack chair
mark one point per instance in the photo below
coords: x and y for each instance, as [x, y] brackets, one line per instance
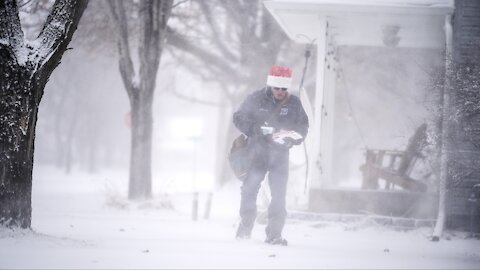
[394, 166]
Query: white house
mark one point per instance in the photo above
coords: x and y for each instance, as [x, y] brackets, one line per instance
[375, 61]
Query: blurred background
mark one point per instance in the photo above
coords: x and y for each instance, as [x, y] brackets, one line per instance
[216, 53]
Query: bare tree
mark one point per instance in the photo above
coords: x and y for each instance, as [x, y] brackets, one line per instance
[67, 92]
[232, 43]
[25, 67]
[153, 17]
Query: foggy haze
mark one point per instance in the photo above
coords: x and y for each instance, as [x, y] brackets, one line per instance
[376, 90]
[381, 96]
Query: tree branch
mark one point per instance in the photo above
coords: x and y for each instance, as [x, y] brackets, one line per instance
[57, 33]
[154, 16]
[221, 65]
[215, 35]
[11, 34]
[117, 14]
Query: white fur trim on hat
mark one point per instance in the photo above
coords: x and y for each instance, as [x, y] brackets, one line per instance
[280, 82]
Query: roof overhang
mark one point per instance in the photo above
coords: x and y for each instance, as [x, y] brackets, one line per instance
[419, 23]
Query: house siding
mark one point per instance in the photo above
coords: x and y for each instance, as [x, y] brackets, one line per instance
[464, 162]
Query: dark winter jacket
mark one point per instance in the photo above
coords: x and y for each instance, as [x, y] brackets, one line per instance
[256, 111]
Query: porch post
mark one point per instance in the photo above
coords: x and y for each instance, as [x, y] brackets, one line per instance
[328, 113]
[442, 196]
[316, 162]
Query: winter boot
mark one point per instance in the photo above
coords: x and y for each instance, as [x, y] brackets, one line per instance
[276, 241]
[243, 231]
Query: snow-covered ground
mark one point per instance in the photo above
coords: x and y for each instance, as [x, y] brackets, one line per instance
[83, 221]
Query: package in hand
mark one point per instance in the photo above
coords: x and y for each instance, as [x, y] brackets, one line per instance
[282, 136]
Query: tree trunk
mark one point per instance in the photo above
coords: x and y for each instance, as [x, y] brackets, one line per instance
[140, 86]
[140, 183]
[226, 135]
[24, 71]
[18, 119]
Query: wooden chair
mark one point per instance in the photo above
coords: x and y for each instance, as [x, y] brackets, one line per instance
[394, 166]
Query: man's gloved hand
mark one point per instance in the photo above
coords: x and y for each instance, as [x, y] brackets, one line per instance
[297, 142]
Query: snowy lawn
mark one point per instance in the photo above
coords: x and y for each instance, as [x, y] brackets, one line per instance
[83, 221]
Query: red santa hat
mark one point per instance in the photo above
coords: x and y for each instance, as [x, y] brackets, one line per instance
[280, 77]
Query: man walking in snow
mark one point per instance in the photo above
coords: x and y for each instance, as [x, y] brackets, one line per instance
[274, 121]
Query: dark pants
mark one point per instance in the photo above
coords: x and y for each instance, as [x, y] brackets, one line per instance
[275, 162]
